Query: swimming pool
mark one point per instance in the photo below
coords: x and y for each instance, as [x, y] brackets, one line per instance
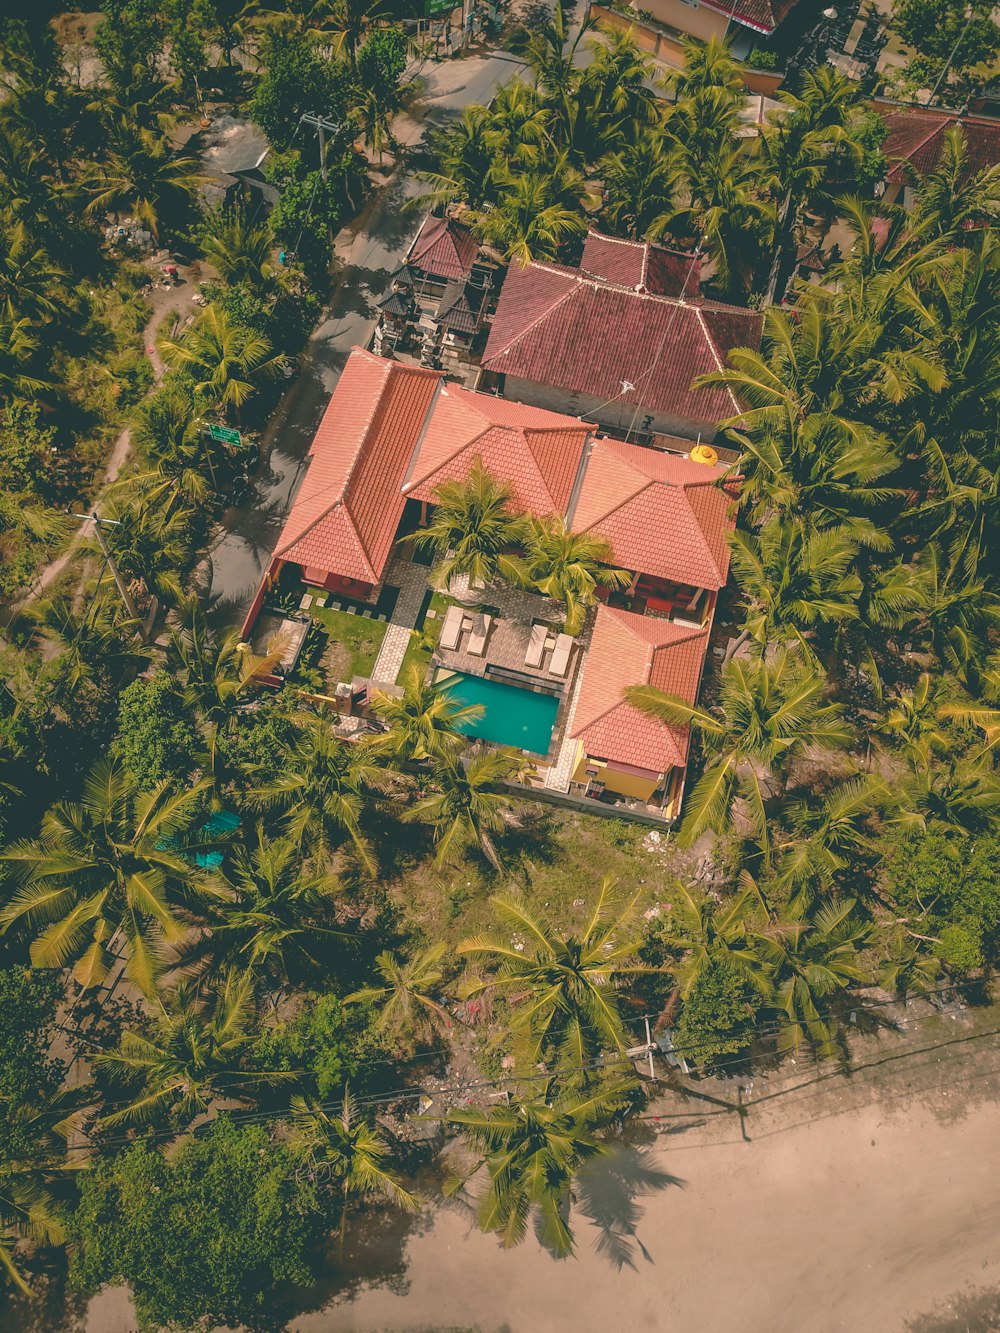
[513, 716]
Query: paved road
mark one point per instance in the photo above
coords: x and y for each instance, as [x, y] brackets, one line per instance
[370, 248]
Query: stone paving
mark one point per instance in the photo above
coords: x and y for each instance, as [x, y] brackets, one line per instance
[411, 580]
[558, 775]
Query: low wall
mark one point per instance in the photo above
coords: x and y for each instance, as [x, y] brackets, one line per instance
[665, 45]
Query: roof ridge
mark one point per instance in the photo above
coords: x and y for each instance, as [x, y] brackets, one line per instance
[692, 631]
[390, 366]
[704, 536]
[715, 353]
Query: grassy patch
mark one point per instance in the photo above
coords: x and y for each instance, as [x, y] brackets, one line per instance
[353, 645]
[420, 649]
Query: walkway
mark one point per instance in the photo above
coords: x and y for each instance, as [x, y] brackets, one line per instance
[557, 775]
[411, 580]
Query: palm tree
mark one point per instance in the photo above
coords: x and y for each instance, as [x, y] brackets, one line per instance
[187, 1057]
[18, 345]
[470, 804]
[959, 795]
[142, 176]
[956, 615]
[538, 212]
[615, 86]
[465, 161]
[951, 197]
[239, 250]
[769, 712]
[347, 1150]
[472, 532]
[706, 65]
[914, 721]
[106, 868]
[641, 183]
[561, 988]
[275, 923]
[95, 645]
[425, 722]
[349, 21]
[532, 1152]
[322, 790]
[827, 835]
[32, 285]
[217, 673]
[550, 54]
[707, 935]
[795, 584]
[517, 127]
[226, 361]
[168, 432]
[30, 1203]
[570, 566]
[813, 959]
[404, 1001]
[151, 541]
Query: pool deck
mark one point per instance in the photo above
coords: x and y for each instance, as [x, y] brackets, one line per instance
[506, 646]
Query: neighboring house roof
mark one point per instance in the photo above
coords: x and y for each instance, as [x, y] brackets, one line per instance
[347, 511]
[760, 15]
[558, 326]
[641, 265]
[663, 515]
[456, 310]
[629, 649]
[537, 452]
[917, 137]
[444, 248]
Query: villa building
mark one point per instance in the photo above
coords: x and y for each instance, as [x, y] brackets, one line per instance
[392, 434]
[549, 343]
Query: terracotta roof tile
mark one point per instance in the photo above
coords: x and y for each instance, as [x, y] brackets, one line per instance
[444, 248]
[537, 452]
[663, 515]
[629, 649]
[639, 264]
[916, 137]
[760, 15]
[347, 510]
[558, 326]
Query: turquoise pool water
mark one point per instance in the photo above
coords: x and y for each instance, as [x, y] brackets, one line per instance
[513, 717]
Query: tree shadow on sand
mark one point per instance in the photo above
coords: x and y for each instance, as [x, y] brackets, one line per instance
[608, 1193]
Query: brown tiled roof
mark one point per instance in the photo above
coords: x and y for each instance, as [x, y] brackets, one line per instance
[641, 265]
[537, 452]
[347, 510]
[916, 137]
[663, 515]
[628, 649]
[444, 248]
[557, 326]
[760, 15]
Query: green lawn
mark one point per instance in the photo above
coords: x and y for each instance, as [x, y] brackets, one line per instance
[354, 643]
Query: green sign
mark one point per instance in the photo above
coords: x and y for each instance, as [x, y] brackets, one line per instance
[225, 434]
[435, 8]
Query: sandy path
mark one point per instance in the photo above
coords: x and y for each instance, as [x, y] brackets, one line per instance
[860, 1222]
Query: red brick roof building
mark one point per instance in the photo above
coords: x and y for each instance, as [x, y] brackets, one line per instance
[613, 353]
[442, 249]
[628, 649]
[915, 139]
[663, 515]
[647, 268]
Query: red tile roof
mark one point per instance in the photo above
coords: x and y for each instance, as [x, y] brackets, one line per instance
[760, 15]
[558, 326]
[349, 505]
[663, 515]
[628, 649]
[537, 452]
[916, 137]
[641, 265]
[444, 248]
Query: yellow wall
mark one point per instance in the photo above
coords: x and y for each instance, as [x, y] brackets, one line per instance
[623, 784]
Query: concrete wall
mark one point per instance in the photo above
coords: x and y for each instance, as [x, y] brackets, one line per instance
[692, 19]
[614, 417]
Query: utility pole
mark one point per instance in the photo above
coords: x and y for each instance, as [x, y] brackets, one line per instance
[323, 127]
[112, 565]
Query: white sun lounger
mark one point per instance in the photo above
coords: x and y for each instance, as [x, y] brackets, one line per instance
[536, 646]
[559, 661]
[451, 630]
[477, 639]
